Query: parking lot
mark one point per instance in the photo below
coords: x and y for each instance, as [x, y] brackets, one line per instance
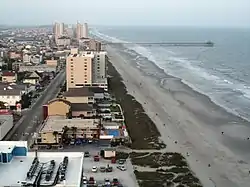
[126, 178]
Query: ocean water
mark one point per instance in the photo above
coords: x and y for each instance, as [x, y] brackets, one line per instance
[221, 72]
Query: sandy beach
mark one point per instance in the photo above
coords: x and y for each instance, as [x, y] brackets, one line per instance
[215, 140]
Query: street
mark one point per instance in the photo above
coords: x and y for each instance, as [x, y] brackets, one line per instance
[31, 120]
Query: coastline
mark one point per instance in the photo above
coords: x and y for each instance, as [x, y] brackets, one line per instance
[194, 120]
[153, 164]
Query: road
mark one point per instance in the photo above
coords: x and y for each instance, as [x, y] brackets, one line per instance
[29, 123]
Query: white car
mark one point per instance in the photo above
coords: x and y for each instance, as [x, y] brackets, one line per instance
[94, 169]
[122, 168]
[84, 180]
[107, 182]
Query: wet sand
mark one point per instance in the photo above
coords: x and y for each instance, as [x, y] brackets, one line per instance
[192, 120]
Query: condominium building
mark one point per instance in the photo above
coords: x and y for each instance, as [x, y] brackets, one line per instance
[79, 31]
[86, 31]
[86, 68]
[58, 30]
[79, 70]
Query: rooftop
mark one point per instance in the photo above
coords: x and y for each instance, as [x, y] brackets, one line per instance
[78, 92]
[9, 92]
[15, 172]
[56, 123]
[81, 107]
[89, 54]
[8, 74]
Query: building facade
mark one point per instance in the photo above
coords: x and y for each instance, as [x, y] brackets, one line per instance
[79, 31]
[58, 30]
[79, 70]
[88, 68]
[9, 77]
[63, 41]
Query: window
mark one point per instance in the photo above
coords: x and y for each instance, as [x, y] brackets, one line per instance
[85, 66]
[72, 69]
[71, 59]
[85, 81]
[79, 85]
[72, 81]
[72, 66]
[72, 75]
[98, 67]
[8, 97]
[85, 59]
[85, 75]
[85, 69]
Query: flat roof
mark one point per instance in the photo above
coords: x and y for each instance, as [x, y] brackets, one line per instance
[56, 123]
[79, 92]
[13, 173]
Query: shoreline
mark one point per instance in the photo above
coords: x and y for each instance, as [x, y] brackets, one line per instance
[208, 99]
[193, 120]
[163, 167]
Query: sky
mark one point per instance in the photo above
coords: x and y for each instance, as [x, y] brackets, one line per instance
[204, 13]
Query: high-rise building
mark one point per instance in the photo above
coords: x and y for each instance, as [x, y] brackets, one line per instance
[86, 31]
[79, 70]
[79, 31]
[86, 68]
[58, 30]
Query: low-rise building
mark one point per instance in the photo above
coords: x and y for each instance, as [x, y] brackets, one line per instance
[63, 41]
[82, 110]
[8, 76]
[17, 166]
[63, 107]
[79, 95]
[59, 107]
[39, 68]
[32, 78]
[56, 128]
[24, 88]
[10, 96]
[51, 63]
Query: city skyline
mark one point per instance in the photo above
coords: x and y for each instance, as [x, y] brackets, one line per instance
[202, 13]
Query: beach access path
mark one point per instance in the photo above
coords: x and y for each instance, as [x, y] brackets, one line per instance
[188, 121]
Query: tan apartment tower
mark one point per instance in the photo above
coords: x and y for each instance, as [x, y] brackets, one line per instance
[79, 70]
[86, 31]
[58, 30]
[79, 31]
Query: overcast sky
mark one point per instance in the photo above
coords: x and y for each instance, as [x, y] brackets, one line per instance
[229, 13]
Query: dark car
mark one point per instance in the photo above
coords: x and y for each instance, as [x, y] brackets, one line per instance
[109, 169]
[115, 182]
[96, 158]
[91, 180]
[121, 161]
[86, 154]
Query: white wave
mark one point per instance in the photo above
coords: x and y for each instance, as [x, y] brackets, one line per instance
[183, 69]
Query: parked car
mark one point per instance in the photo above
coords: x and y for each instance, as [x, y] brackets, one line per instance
[92, 180]
[121, 161]
[94, 169]
[109, 169]
[96, 158]
[107, 182]
[122, 168]
[84, 180]
[115, 182]
[102, 169]
[86, 154]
